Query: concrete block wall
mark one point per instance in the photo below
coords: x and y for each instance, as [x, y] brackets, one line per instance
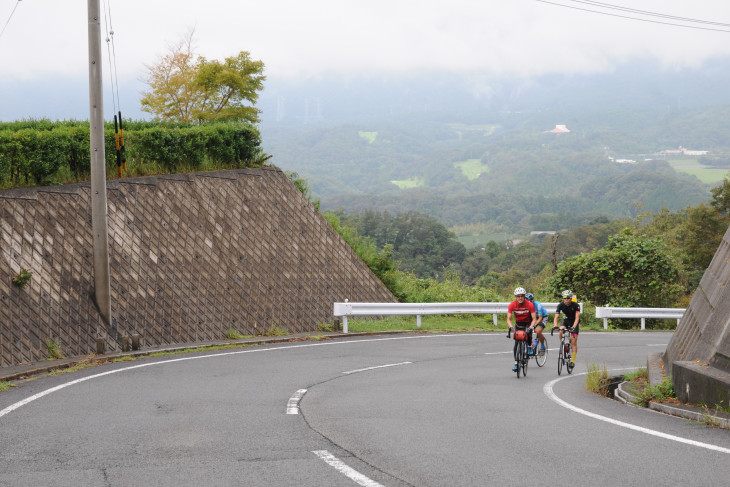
[191, 256]
[699, 351]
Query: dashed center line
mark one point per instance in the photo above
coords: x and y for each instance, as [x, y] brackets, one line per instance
[346, 470]
[376, 367]
[292, 406]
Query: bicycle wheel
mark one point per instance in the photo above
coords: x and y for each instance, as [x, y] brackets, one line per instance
[525, 359]
[561, 357]
[541, 359]
[518, 358]
[568, 360]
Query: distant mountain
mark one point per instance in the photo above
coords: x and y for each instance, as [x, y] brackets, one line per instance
[400, 144]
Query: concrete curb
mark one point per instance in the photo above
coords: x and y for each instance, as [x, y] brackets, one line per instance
[693, 413]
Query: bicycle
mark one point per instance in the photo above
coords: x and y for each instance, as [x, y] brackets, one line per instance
[521, 355]
[565, 350]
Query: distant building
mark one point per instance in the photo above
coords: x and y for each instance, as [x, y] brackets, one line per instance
[682, 151]
[559, 129]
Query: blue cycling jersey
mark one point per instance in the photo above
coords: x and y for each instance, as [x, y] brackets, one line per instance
[540, 309]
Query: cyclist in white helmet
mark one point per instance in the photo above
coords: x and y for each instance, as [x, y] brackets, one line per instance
[524, 313]
[571, 310]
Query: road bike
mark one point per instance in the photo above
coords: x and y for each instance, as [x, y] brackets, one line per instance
[565, 351]
[521, 355]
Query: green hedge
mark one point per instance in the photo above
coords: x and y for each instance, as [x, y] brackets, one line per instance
[41, 152]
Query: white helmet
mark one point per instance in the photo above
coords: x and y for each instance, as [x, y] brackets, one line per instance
[520, 290]
[567, 294]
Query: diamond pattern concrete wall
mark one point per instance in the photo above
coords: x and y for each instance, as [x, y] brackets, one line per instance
[191, 256]
[703, 333]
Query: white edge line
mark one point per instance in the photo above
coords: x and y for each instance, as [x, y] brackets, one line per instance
[376, 367]
[292, 407]
[346, 470]
[548, 390]
[41, 394]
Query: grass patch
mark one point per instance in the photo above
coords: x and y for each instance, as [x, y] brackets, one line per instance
[232, 334]
[325, 327]
[4, 386]
[639, 375]
[472, 168]
[276, 331]
[369, 136]
[429, 323]
[597, 380]
[126, 358]
[659, 393]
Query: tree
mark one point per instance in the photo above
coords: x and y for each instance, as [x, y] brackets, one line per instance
[629, 271]
[721, 196]
[189, 88]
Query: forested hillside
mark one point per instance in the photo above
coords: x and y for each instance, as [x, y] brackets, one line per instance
[473, 150]
[521, 179]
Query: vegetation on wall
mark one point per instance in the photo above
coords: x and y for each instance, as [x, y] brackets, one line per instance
[41, 152]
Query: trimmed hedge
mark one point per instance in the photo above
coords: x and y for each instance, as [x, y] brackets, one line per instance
[41, 152]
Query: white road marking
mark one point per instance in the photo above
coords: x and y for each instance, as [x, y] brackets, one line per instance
[376, 367]
[346, 470]
[292, 407]
[656, 344]
[41, 394]
[548, 390]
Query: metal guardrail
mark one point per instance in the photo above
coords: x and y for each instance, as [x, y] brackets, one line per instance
[418, 309]
[607, 312]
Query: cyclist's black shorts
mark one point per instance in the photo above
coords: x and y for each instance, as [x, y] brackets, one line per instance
[568, 325]
[542, 323]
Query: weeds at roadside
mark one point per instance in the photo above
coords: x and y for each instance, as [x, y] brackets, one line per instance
[597, 380]
[711, 416]
[276, 331]
[325, 327]
[53, 349]
[659, 392]
[4, 386]
[639, 375]
[126, 358]
[232, 334]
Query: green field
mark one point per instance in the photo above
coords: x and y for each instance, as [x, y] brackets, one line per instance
[706, 174]
[472, 168]
[413, 182]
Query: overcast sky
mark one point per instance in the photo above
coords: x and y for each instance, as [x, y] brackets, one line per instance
[45, 40]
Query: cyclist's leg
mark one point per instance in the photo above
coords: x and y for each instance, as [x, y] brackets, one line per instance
[574, 344]
[514, 354]
[538, 331]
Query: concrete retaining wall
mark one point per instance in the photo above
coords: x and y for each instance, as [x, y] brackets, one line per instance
[703, 336]
[191, 257]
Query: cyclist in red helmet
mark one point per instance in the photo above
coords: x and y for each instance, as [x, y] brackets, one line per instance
[524, 313]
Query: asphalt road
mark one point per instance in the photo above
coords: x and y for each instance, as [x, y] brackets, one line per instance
[405, 410]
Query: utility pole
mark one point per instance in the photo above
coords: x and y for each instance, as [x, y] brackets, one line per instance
[99, 216]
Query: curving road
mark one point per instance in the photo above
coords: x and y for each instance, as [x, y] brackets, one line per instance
[406, 410]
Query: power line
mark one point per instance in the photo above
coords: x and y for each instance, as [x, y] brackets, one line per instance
[112, 53]
[609, 6]
[8, 21]
[649, 13]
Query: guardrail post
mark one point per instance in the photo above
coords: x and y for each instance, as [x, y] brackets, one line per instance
[494, 319]
[344, 324]
[418, 321]
[605, 323]
[643, 323]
